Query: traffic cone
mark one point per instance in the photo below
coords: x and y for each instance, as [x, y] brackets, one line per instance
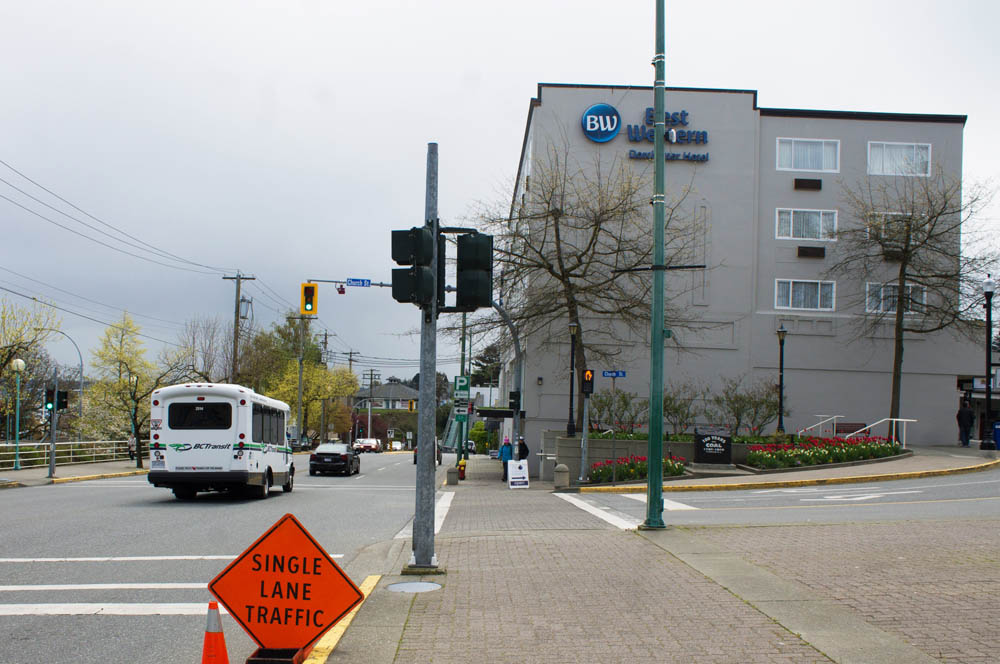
[213, 651]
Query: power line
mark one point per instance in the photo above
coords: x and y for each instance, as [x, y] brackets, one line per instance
[90, 318]
[162, 252]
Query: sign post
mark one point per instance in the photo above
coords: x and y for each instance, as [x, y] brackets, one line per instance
[285, 591]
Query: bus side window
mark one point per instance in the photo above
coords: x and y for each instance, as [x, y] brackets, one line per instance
[268, 423]
[258, 423]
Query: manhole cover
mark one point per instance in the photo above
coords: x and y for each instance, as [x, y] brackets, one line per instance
[414, 587]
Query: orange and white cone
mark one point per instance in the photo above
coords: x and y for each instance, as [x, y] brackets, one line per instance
[213, 651]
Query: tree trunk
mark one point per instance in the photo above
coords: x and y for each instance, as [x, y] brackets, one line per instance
[897, 350]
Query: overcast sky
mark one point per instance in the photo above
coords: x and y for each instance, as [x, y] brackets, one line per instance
[287, 138]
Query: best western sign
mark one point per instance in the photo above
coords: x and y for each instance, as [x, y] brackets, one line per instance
[602, 122]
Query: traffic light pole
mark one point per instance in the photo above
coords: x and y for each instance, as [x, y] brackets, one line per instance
[53, 424]
[423, 520]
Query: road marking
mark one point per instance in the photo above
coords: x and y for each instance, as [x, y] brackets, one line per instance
[863, 496]
[670, 505]
[107, 609]
[122, 559]
[614, 520]
[441, 508]
[321, 651]
[107, 586]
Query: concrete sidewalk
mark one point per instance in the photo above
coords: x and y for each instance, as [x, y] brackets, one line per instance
[530, 578]
[39, 475]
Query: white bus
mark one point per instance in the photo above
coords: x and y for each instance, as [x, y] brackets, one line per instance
[218, 437]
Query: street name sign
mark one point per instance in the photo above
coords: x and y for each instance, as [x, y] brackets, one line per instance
[613, 374]
[364, 283]
[285, 590]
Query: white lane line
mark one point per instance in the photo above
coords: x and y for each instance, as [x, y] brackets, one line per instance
[441, 508]
[107, 586]
[107, 609]
[614, 520]
[670, 505]
[122, 559]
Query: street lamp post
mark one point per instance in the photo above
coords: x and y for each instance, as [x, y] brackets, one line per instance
[781, 332]
[17, 366]
[571, 423]
[988, 287]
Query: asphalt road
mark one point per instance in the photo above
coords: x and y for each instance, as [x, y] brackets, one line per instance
[953, 496]
[71, 551]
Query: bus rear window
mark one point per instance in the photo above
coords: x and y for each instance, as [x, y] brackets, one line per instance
[202, 415]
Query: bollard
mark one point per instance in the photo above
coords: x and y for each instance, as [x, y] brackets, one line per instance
[561, 476]
[452, 475]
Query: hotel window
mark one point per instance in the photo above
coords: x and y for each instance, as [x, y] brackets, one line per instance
[884, 298]
[803, 154]
[814, 295]
[899, 159]
[806, 224]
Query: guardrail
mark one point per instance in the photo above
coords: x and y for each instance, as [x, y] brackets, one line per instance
[36, 453]
[893, 428]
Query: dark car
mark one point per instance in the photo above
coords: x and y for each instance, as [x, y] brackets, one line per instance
[334, 457]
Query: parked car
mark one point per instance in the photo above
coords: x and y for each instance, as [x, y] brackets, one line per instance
[334, 457]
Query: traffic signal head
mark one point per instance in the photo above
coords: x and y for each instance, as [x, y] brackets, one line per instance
[474, 272]
[588, 382]
[411, 406]
[62, 400]
[50, 396]
[514, 400]
[415, 283]
[307, 303]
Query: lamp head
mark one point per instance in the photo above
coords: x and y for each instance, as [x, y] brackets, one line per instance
[17, 365]
[781, 332]
[573, 327]
[989, 286]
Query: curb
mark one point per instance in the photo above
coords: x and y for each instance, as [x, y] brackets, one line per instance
[102, 476]
[795, 483]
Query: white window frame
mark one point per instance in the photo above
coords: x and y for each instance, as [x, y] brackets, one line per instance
[777, 154]
[819, 283]
[930, 160]
[882, 298]
[791, 225]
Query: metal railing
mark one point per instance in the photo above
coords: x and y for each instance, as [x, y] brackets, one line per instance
[36, 453]
[829, 418]
[893, 428]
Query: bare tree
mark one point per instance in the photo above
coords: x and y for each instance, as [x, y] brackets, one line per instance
[914, 245]
[568, 249]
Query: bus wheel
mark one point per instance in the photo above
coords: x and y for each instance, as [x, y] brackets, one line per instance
[184, 493]
[264, 489]
[287, 486]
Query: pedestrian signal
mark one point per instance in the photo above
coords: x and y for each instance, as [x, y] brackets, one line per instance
[62, 400]
[588, 382]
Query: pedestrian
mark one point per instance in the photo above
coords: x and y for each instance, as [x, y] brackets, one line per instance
[522, 449]
[965, 418]
[506, 454]
[131, 446]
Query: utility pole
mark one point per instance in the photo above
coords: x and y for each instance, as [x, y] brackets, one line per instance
[322, 423]
[236, 324]
[654, 482]
[372, 376]
[53, 423]
[350, 360]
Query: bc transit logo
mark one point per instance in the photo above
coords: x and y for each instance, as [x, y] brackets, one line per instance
[601, 123]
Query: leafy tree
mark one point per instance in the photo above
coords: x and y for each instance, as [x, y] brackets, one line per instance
[486, 365]
[22, 331]
[119, 395]
[318, 383]
[914, 246]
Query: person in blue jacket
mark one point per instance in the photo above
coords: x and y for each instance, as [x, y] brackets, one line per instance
[506, 454]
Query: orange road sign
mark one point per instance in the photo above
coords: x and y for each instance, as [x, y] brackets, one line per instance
[285, 590]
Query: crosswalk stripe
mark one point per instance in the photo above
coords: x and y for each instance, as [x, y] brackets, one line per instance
[614, 520]
[670, 505]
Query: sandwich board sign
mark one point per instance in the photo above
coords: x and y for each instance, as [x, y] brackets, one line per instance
[517, 474]
[285, 591]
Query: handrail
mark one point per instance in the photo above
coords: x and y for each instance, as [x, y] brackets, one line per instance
[893, 427]
[820, 423]
[36, 452]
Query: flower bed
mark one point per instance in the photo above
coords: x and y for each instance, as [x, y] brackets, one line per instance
[816, 451]
[626, 469]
